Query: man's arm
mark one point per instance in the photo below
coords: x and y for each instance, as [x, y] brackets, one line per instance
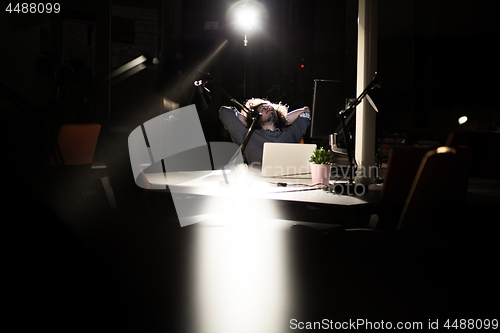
[293, 115]
[243, 119]
[299, 121]
[234, 122]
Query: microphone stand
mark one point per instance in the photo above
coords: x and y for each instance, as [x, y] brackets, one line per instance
[349, 110]
[252, 114]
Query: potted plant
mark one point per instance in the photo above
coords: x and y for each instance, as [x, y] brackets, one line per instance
[321, 166]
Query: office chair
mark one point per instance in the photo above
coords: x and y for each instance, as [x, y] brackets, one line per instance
[76, 144]
[74, 151]
[402, 167]
[430, 191]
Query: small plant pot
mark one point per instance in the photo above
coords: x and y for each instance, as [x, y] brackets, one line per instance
[320, 173]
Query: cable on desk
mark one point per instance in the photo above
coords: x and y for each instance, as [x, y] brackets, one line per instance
[307, 187]
[330, 187]
[290, 175]
[279, 184]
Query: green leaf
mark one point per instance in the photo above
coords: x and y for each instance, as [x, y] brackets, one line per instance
[321, 156]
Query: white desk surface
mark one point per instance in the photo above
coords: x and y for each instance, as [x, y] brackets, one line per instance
[212, 183]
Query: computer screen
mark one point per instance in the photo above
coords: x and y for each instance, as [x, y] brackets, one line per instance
[330, 97]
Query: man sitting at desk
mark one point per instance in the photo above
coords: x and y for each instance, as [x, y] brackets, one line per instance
[274, 124]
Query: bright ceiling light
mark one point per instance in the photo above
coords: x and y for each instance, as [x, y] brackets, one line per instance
[462, 120]
[247, 17]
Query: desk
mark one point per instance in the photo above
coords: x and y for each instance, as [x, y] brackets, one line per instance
[209, 193]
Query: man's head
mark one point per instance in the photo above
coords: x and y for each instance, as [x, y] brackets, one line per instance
[267, 114]
[270, 113]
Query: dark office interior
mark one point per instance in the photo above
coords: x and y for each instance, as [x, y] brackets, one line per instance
[78, 262]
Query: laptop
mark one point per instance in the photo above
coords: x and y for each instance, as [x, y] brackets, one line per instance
[287, 160]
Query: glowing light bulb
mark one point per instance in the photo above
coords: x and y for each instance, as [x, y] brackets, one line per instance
[462, 120]
[247, 17]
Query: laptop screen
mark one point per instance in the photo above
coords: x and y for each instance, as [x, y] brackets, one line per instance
[287, 160]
